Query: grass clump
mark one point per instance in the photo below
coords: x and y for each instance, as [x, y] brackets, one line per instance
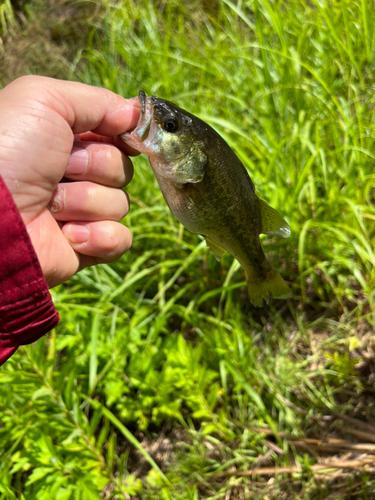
[161, 380]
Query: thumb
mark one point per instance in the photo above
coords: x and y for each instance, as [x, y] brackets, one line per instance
[85, 108]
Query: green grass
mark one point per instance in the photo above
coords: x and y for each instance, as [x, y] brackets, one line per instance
[161, 373]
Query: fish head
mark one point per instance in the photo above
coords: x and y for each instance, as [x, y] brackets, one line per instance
[167, 134]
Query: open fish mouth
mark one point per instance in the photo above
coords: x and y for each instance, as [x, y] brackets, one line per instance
[142, 129]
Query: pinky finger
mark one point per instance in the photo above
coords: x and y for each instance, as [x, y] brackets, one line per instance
[97, 242]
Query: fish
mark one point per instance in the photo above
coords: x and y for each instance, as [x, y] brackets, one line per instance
[209, 191]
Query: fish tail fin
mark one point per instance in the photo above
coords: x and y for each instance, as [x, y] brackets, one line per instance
[260, 289]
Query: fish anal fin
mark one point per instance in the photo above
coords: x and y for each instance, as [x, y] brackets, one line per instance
[272, 222]
[260, 289]
[215, 249]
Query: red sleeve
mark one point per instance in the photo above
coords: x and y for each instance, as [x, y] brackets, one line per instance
[26, 308]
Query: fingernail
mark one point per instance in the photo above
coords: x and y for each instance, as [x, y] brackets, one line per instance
[133, 100]
[78, 233]
[78, 162]
[57, 203]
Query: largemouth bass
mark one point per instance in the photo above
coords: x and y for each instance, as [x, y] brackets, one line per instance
[210, 192]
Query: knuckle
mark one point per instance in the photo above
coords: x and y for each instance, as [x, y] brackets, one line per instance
[24, 80]
[88, 199]
[119, 166]
[111, 154]
[128, 166]
[127, 204]
[123, 205]
[85, 197]
[117, 241]
[28, 84]
[113, 160]
[111, 242]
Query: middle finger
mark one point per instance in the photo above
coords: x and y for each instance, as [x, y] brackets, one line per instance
[99, 162]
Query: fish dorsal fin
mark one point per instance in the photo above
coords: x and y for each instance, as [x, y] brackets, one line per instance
[272, 222]
[215, 249]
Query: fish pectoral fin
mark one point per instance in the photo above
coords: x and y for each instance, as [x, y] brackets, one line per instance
[215, 249]
[191, 168]
[272, 222]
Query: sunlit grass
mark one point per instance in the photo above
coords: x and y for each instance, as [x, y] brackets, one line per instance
[165, 340]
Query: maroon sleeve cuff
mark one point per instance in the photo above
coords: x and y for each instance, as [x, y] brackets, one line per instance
[26, 308]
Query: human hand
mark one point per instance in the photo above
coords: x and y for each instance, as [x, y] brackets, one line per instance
[50, 129]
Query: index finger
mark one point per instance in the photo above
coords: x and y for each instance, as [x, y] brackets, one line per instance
[91, 137]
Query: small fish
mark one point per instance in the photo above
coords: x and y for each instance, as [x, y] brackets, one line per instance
[209, 190]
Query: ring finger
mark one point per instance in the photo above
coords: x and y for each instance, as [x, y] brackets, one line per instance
[88, 201]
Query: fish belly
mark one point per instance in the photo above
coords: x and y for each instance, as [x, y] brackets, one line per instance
[224, 221]
[230, 218]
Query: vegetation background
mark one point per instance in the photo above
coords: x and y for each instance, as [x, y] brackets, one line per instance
[162, 381]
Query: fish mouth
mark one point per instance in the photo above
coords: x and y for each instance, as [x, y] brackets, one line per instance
[142, 129]
[142, 100]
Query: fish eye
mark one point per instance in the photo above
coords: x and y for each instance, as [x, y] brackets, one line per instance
[170, 124]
